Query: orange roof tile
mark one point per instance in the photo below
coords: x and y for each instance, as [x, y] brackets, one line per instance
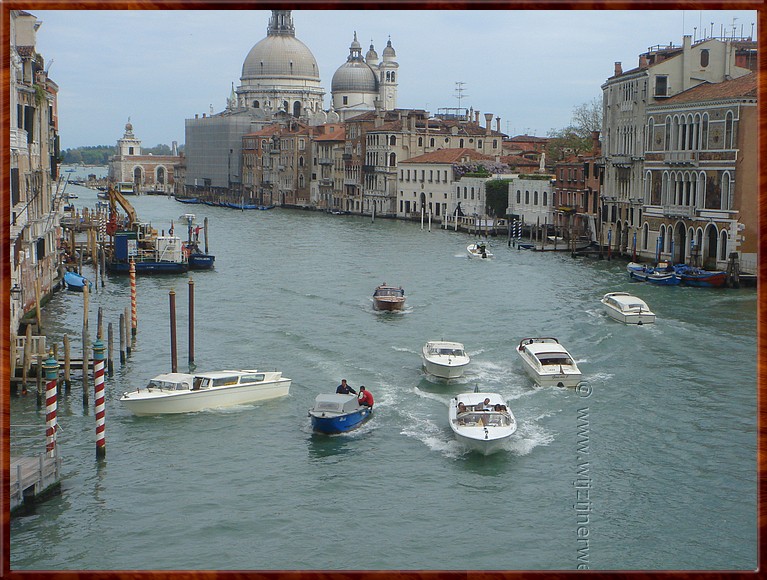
[449, 156]
[741, 87]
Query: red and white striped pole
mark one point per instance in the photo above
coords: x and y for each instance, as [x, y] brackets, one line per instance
[133, 317]
[51, 367]
[98, 382]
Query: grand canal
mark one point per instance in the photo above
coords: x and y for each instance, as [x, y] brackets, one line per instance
[653, 466]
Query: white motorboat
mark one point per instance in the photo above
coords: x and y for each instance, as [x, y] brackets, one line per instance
[548, 362]
[627, 308]
[479, 250]
[444, 359]
[478, 427]
[185, 393]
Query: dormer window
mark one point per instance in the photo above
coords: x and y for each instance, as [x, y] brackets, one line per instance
[704, 58]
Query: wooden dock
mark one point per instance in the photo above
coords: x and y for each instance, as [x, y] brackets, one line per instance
[33, 479]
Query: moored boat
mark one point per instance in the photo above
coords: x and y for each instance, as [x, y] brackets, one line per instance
[548, 362]
[626, 308]
[338, 413]
[444, 359]
[76, 282]
[388, 297]
[479, 250]
[692, 276]
[663, 274]
[198, 260]
[185, 393]
[151, 253]
[480, 427]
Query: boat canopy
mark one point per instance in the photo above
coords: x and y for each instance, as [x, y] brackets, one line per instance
[336, 403]
[553, 358]
[171, 382]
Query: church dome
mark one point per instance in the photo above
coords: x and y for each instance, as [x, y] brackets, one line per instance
[280, 54]
[388, 52]
[355, 75]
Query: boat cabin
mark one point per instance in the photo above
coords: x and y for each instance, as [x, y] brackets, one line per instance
[553, 358]
[445, 351]
[224, 379]
[171, 382]
[626, 303]
[391, 291]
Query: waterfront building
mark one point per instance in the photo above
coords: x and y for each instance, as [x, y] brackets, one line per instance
[576, 192]
[328, 166]
[530, 199]
[429, 184]
[35, 201]
[148, 173]
[701, 176]
[662, 73]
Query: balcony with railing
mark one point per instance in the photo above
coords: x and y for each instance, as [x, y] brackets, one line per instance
[689, 158]
[325, 161]
[681, 211]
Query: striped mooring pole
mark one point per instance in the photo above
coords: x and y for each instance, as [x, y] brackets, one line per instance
[51, 367]
[98, 383]
[133, 318]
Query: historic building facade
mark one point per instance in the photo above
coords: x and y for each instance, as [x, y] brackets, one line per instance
[701, 185]
[662, 73]
[35, 201]
[148, 173]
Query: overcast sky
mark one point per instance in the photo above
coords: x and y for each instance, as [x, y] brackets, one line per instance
[530, 68]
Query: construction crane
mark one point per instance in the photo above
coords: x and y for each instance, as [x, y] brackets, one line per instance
[116, 197]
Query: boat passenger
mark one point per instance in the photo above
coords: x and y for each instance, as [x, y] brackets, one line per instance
[365, 397]
[345, 389]
[461, 408]
[483, 406]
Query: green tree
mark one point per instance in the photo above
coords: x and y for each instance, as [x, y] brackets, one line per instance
[576, 137]
[497, 202]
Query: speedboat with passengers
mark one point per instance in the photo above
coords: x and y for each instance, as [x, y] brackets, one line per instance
[387, 297]
[338, 413]
[478, 426]
[548, 362]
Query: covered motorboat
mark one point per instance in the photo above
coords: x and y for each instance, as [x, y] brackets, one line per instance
[626, 308]
[661, 275]
[479, 427]
[184, 393]
[388, 297]
[444, 359]
[548, 362]
[338, 413]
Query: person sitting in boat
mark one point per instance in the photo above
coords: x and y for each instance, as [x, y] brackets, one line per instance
[461, 408]
[483, 406]
[365, 397]
[344, 389]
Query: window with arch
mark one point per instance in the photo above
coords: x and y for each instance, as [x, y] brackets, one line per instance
[392, 76]
[704, 58]
[393, 140]
[726, 186]
[479, 143]
[420, 141]
[301, 161]
[535, 198]
[519, 196]
[301, 181]
[460, 143]
[650, 130]
[392, 160]
[728, 130]
[704, 132]
[667, 144]
[527, 197]
[645, 235]
[256, 105]
[297, 109]
[472, 193]
[545, 198]
[723, 245]
[431, 142]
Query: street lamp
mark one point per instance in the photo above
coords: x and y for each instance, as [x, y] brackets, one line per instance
[16, 292]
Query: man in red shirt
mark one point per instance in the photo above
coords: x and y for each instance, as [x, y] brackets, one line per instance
[366, 397]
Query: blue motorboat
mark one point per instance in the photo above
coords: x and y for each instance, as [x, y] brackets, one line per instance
[76, 282]
[337, 413]
[201, 261]
[661, 275]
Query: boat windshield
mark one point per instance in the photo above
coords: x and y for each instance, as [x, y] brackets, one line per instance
[448, 351]
[554, 358]
[167, 385]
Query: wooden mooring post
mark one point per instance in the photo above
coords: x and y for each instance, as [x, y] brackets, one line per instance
[67, 360]
[110, 350]
[86, 366]
[173, 357]
[122, 339]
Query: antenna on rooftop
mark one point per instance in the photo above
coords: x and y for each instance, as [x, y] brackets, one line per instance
[459, 92]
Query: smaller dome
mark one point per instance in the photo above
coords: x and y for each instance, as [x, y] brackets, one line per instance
[371, 54]
[354, 75]
[388, 52]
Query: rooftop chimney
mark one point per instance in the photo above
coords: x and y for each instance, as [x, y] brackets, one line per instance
[488, 123]
[618, 69]
[643, 62]
[498, 124]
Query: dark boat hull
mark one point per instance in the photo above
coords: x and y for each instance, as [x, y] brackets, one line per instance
[201, 261]
[341, 423]
[149, 267]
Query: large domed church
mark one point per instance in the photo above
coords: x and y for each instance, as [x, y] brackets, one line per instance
[281, 81]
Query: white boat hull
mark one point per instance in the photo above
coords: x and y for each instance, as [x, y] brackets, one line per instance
[445, 370]
[156, 401]
[553, 379]
[630, 318]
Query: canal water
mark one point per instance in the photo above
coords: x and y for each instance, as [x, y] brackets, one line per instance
[651, 465]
